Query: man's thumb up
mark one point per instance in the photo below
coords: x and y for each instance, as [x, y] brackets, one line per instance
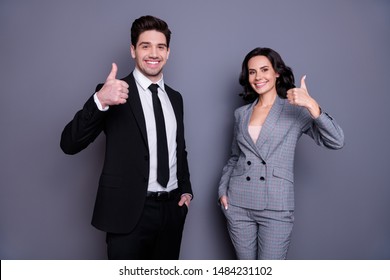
[114, 70]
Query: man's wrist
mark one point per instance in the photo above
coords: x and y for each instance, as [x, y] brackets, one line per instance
[101, 107]
[188, 194]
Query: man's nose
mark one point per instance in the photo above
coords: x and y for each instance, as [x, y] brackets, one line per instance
[153, 52]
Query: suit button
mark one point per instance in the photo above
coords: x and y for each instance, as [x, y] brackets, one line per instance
[262, 178]
[263, 162]
[248, 162]
[248, 178]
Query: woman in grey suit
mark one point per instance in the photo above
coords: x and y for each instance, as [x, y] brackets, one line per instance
[256, 190]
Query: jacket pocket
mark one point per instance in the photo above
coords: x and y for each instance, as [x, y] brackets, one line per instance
[109, 181]
[283, 174]
[237, 171]
[240, 168]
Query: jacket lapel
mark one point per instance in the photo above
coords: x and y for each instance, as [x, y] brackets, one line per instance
[174, 102]
[134, 102]
[270, 122]
[244, 128]
[266, 130]
[177, 106]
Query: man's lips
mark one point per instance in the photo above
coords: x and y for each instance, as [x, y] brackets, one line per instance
[152, 62]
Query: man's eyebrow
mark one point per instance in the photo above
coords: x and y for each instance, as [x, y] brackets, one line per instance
[149, 43]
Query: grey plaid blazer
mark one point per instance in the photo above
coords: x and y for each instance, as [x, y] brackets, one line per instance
[260, 175]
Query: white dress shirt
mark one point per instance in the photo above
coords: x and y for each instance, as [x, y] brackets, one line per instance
[145, 95]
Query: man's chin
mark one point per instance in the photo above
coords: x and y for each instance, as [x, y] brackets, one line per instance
[153, 74]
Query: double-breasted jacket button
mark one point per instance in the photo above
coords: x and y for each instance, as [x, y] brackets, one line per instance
[262, 178]
[263, 162]
[248, 178]
[248, 162]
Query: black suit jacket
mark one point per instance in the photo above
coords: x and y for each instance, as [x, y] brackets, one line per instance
[124, 179]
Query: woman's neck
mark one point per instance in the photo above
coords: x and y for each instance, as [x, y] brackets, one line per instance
[266, 100]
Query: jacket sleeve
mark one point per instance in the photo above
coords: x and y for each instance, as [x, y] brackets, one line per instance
[86, 125]
[325, 131]
[183, 174]
[234, 155]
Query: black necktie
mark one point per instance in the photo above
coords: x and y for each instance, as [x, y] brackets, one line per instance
[162, 147]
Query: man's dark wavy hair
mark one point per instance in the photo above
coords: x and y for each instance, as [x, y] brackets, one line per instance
[284, 82]
[146, 23]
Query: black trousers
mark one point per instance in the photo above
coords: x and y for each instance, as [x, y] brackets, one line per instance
[157, 235]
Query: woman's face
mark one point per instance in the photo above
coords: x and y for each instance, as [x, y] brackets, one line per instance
[262, 76]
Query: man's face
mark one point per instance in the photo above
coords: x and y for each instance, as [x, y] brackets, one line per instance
[150, 54]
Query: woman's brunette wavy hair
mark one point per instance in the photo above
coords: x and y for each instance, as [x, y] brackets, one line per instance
[283, 83]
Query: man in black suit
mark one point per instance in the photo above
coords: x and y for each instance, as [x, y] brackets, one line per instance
[144, 189]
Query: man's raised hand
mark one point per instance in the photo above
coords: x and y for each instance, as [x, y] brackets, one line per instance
[114, 91]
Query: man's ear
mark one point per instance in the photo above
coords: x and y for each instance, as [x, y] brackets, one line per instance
[132, 50]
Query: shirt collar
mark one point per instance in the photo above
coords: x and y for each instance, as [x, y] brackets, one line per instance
[144, 82]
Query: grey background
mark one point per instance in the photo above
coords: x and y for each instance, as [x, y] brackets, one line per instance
[53, 53]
